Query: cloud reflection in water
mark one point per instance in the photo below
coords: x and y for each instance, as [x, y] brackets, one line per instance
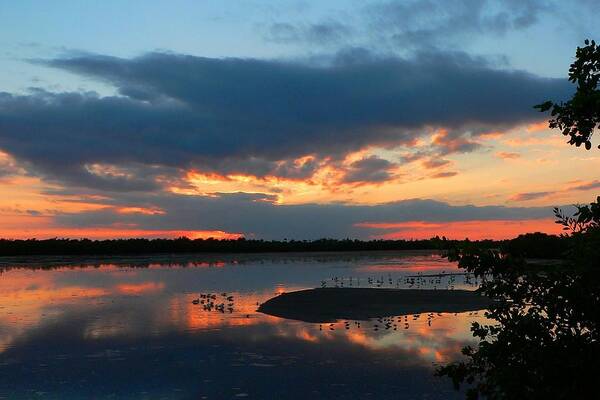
[124, 331]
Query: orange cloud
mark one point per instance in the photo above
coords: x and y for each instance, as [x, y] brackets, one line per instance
[576, 186]
[591, 185]
[507, 155]
[537, 127]
[491, 135]
[396, 225]
[446, 174]
[530, 196]
[452, 144]
[328, 179]
[433, 163]
[48, 231]
[550, 140]
[140, 210]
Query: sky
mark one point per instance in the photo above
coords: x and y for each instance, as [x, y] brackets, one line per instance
[288, 119]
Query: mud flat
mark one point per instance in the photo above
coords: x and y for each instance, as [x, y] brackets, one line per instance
[332, 304]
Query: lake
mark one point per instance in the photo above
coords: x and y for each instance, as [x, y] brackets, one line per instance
[129, 328]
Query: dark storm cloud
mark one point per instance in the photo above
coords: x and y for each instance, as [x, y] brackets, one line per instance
[329, 32]
[416, 23]
[369, 170]
[257, 214]
[178, 112]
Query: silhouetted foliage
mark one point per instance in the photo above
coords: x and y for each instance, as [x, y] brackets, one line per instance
[584, 226]
[580, 116]
[538, 245]
[544, 343]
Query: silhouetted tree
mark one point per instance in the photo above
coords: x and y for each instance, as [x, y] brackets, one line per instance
[584, 249]
[544, 343]
[580, 116]
[538, 245]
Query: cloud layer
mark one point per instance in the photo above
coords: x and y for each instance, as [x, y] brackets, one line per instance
[257, 215]
[408, 25]
[176, 112]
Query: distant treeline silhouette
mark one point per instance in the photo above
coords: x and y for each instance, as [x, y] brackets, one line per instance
[530, 245]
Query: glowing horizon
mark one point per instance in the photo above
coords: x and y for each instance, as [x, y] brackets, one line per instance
[298, 133]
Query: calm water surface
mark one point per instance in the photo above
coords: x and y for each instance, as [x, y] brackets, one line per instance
[127, 329]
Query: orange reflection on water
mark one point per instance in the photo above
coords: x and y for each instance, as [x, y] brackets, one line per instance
[27, 298]
[306, 335]
[140, 288]
[439, 342]
[416, 264]
[125, 302]
[182, 311]
[21, 288]
[360, 338]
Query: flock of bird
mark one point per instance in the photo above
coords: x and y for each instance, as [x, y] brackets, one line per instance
[442, 280]
[215, 302]
[224, 302]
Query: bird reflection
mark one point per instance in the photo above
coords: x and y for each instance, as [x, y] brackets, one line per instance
[384, 323]
[422, 322]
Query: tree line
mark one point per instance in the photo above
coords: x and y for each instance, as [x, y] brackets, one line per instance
[532, 245]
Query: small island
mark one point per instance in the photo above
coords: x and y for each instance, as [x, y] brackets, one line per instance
[332, 304]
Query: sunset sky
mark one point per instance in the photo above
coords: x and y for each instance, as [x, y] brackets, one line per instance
[288, 119]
